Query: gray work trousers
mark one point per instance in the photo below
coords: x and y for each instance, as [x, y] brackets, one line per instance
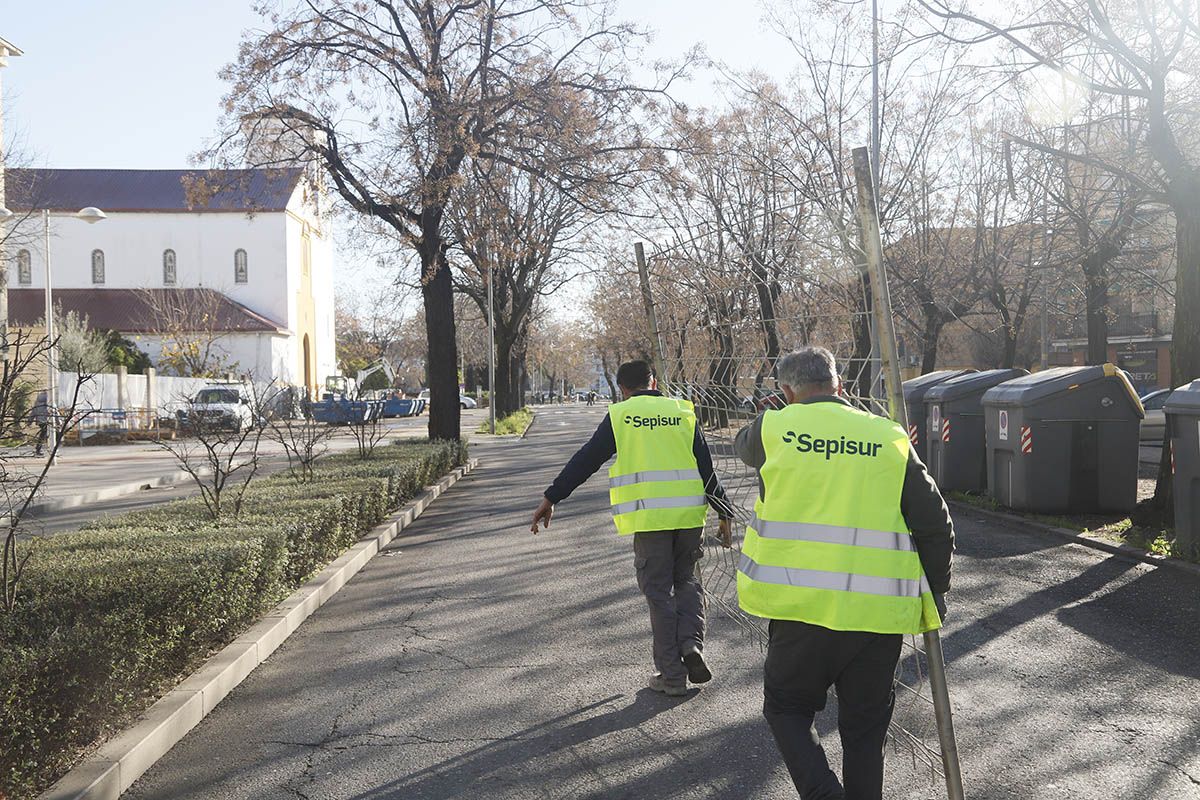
[666, 574]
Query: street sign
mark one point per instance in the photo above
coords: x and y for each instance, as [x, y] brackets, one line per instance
[1003, 425]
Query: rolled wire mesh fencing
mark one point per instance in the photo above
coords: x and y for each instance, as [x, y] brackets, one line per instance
[721, 320]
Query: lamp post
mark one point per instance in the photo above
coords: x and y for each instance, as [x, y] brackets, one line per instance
[90, 215]
[5, 215]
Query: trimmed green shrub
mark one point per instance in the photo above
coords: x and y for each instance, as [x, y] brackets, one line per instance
[112, 615]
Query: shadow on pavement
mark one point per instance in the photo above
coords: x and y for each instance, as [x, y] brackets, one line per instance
[538, 757]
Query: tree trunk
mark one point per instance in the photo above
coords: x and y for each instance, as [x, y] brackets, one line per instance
[608, 377]
[1185, 338]
[505, 392]
[859, 369]
[1010, 347]
[442, 363]
[520, 361]
[1095, 276]
[929, 343]
[766, 303]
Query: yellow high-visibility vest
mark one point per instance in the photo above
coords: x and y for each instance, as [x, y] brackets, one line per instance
[654, 485]
[828, 544]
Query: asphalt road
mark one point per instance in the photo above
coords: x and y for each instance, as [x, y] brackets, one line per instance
[84, 469]
[473, 660]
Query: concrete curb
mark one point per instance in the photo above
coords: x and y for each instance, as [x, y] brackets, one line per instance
[1124, 550]
[532, 420]
[123, 759]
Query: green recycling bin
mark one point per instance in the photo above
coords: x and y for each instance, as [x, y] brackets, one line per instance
[957, 442]
[914, 402]
[1183, 427]
[1064, 439]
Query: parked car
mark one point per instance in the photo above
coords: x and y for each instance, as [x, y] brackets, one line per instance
[1155, 423]
[763, 400]
[464, 401]
[223, 405]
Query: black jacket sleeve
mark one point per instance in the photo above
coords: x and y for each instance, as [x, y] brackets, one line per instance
[713, 490]
[748, 444]
[583, 465]
[928, 520]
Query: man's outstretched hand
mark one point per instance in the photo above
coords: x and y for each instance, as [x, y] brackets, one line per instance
[545, 511]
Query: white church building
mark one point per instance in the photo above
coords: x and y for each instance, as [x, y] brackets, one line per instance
[247, 255]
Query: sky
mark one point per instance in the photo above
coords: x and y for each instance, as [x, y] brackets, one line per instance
[134, 84]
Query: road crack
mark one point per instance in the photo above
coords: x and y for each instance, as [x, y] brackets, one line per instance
[1180, 770]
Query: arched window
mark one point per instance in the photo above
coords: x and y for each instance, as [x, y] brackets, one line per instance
[168, 267]
[24, 268]
[241, 272]
[97, 266]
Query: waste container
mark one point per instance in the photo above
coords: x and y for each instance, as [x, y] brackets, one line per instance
[914, 401]
[1183, 426]
[957, 444]
[1064, 439]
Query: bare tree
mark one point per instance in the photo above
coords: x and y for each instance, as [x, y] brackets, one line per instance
[521, 233]
[220, 451]
[1140, 57]
[304, 442]
[394, 101]
[371, 431]
[370, 326]
[192, 329]
[20, 485]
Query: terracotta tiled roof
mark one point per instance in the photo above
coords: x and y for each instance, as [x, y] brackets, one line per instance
[141, 310]
[168, 190]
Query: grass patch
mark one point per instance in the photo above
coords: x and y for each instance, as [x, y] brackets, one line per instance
[110, 617]
[1115, 528]
[515, 423]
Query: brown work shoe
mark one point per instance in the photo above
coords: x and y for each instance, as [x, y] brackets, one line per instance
[671, 689]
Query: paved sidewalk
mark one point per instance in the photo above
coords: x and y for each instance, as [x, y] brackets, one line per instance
[472, 660]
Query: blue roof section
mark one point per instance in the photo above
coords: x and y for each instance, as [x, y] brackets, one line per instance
[163, 190]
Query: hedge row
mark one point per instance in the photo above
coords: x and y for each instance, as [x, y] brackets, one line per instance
[112, 615]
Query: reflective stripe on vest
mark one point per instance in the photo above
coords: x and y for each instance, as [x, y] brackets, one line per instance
[653, 475]
[832, 534]
[654, 484]
[658, 502]
[828, 544]
[834, 581]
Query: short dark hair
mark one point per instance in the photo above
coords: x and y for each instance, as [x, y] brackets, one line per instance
[634, 375]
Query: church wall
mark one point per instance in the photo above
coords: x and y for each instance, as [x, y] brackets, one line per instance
[204, 243]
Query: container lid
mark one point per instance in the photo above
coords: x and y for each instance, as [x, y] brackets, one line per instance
[915, 388]
[1185, 399]
[971, 383]
[1039, 386]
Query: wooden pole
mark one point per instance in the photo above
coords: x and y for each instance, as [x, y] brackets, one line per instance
[886, 331]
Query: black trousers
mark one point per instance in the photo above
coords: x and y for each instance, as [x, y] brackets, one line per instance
[803, 661]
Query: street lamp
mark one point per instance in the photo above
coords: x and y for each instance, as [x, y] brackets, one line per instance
[5, 214]
[90, 215]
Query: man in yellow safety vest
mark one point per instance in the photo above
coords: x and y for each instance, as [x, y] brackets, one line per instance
[848, 550]
[659, 487]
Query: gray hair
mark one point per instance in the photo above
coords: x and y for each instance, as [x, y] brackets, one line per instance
[809, 366]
